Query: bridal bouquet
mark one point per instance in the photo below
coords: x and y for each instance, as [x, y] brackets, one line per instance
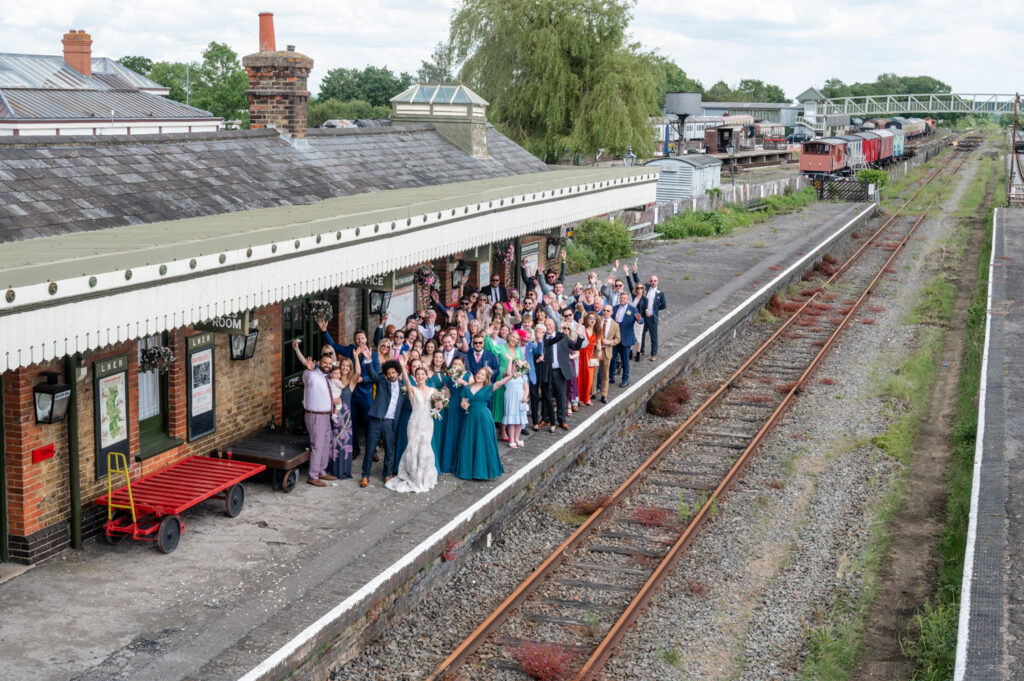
[438, 402]
[456, 376]
[521, 366]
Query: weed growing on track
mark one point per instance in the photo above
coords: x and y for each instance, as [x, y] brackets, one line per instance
[670, 656]
[546, 661]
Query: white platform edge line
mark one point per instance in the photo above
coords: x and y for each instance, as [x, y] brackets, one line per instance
[350, 602]
[963, 627]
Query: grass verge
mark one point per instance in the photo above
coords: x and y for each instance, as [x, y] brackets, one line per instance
[715, 222]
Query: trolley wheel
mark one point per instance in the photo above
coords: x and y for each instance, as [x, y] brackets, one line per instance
[169, 533]
[117, 537]
[290, 479]
[234, 500]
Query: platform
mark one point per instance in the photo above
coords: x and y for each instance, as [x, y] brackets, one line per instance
[989, 641]
[248, 598]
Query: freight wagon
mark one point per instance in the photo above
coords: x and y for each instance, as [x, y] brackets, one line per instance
[823, 157]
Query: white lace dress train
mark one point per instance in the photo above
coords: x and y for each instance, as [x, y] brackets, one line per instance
[417, 471]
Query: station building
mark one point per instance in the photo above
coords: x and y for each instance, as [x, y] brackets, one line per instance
[214, 246]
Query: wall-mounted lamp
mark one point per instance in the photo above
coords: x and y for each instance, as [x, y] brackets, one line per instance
[244, 347]
[51, 398]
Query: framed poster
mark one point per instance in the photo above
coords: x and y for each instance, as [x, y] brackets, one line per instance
[202, 413]
[110, 408]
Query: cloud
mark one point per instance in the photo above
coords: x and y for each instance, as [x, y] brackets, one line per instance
[791, 43]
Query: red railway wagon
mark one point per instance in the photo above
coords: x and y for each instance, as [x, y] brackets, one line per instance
[823, 157]
[885, 146]
[870, 146]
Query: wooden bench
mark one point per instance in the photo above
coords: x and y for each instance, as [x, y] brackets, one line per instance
[635, 233]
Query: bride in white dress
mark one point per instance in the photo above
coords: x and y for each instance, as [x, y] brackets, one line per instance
[417, 471]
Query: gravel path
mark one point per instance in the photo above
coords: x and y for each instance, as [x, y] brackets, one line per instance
[785, 542]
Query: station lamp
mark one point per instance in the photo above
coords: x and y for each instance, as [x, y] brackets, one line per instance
[244, 347]
[51, 398]
[629, 158]
[379, 301]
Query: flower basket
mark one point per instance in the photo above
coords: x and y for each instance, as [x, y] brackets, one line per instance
[156, 359]
[426, 279]
[506, 253]
[320, 311]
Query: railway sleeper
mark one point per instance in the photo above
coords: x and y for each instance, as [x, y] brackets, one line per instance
[611, 534]
[602, 586]
[685, 485]
[625, 551]
[544, 618]
[589, 606]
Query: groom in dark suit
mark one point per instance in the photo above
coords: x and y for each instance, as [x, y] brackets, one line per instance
[384, 412]
[626, 316]
[451, 353]
[555, 370]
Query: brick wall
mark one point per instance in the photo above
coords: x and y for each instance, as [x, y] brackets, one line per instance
[247, 393]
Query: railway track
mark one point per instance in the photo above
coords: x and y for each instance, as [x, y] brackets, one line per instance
[581, 601]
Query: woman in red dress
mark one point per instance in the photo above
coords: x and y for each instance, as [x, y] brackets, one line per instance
[586, 373]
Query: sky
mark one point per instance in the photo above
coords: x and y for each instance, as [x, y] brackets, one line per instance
[791, 43]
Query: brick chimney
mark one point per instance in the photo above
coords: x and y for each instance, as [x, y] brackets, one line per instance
[277, 84]
[78, 51]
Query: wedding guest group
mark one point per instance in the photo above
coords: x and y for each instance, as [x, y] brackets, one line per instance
[436, 395]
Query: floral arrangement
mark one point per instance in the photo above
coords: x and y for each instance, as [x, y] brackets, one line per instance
[320, 311]
[456, 375]
[506, 253]
[438, 402]
[426, 279]
[521, 366]
[158, 359]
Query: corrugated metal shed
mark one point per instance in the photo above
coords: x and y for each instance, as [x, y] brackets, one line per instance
[94, 104]
[683, 177]
[44, 87]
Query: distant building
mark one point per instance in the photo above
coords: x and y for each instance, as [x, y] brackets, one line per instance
[78, 94]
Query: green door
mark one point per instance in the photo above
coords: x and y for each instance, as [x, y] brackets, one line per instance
[295, 323]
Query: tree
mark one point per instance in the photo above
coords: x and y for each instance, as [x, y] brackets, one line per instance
[440, 67]
[374, 84]
[219, 84]
[719, 92]
[171, 75]
[140, 65]
[324, 110]
[558, 74]
[886, 84]
[668, 77]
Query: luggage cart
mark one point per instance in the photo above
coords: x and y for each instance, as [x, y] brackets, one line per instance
[150, 508]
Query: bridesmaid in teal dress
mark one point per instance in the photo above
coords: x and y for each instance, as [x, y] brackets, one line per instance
[453, 423]
[436, 381]
[477, 455]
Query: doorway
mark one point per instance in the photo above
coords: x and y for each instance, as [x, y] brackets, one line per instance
[296, 323]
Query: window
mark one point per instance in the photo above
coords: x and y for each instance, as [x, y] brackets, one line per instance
[154, 434]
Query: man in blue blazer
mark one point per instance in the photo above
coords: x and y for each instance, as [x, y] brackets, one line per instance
[384, 413]
[626, 316]
[479, 358]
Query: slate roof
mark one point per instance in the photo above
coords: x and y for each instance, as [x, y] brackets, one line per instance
[56, 185]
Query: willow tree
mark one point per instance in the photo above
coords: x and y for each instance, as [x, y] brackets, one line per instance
[559, 74]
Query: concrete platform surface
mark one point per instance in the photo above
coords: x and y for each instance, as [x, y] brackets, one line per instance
[989, 642]
[237, 590]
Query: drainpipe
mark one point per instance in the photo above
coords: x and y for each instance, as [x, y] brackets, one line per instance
[4, 557]
[74, 476]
